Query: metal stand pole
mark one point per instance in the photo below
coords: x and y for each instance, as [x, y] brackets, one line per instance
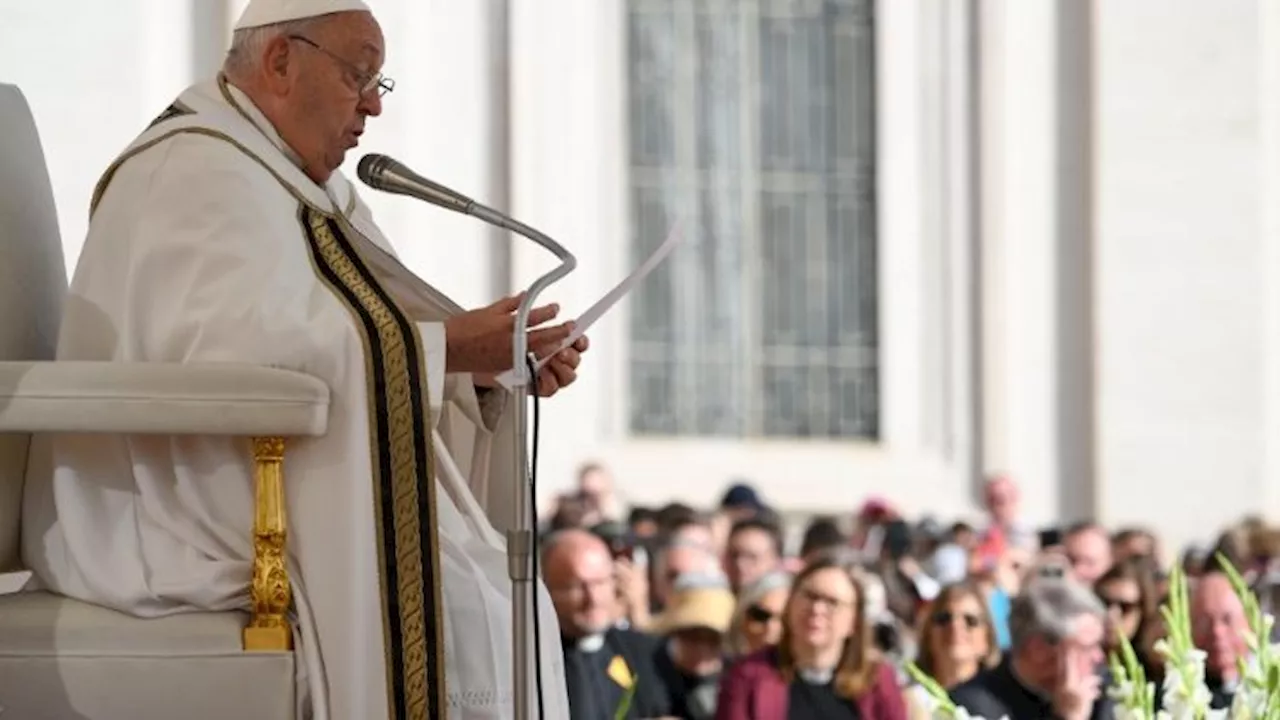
[521, 537]
[520, 566]
[384, 173]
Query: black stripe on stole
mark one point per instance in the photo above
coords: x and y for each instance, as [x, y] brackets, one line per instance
[404, 491]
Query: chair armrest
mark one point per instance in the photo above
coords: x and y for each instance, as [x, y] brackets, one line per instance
[161, 399]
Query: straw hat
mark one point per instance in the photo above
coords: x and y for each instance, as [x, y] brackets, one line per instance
[696, 605]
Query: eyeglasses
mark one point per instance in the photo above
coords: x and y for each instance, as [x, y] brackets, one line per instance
[1124, 606]
[944, 619]
[815, 598]
[758, 614]
[583, 586]
[364, 82]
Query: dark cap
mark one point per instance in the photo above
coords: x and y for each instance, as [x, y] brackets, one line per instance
[741, 495]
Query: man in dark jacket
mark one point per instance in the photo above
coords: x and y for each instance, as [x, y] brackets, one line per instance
[1052, 670]
[692, 657]
[602, 662]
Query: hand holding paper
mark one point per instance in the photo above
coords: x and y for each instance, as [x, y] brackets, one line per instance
[595, 312]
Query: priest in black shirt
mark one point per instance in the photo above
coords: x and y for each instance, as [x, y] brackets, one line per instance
[1053, 668]
[602, 662]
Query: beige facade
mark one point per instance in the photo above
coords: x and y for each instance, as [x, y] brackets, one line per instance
[1077, 246]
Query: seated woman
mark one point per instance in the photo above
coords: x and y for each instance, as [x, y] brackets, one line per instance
[957, 640]
[1127, 591]
[824, 665]
[757, 618]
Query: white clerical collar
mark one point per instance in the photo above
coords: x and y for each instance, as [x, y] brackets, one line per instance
[815, 676]
[250, 110]
[591, 643]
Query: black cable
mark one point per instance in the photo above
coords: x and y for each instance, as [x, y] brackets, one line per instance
[534, 551]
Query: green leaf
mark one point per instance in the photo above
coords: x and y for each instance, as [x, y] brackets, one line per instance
[931, 686]
[624, 705]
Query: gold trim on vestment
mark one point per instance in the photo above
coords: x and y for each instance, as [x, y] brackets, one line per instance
[101, 188]
[404, 449]
[400, 441]
[224, 88]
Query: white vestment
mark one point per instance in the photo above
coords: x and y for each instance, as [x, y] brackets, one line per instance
[209, 244]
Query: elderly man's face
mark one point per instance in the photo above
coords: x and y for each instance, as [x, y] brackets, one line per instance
[583, 588]
[1083, 649]
[1218, 624]
[1050, 664]
[330, 95]
[1089, 552]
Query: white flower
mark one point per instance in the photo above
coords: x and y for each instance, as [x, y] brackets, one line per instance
[1127, 713]
[1121, 691]
[1250, 701]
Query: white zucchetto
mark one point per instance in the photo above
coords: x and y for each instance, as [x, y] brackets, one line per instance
[270, 12]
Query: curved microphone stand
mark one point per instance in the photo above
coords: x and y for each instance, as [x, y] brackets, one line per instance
[384, 173]
[520, 539]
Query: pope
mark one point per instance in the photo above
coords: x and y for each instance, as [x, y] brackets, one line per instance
[226, 233]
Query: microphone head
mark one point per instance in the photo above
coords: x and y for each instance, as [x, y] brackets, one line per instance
[372, 169]
[387, 174]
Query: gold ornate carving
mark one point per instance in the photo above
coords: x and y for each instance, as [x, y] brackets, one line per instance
[269, 629]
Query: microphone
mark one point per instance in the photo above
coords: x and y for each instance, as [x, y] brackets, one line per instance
[383, 173]
[387, 174]
[390, 175]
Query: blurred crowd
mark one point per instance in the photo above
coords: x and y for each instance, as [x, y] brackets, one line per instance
[699, 613]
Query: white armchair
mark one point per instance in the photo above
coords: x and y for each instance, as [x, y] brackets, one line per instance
[60, 658]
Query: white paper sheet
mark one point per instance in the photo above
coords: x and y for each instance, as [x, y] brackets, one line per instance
[611, 298]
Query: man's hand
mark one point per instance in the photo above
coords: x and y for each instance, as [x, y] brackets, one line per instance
[562, 369]
[633, 591]
[479, 341]
[1078, 685]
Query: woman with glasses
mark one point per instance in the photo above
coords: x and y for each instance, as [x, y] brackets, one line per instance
[757, 619]
[1128, 593]
[957, 639]
[824, 666]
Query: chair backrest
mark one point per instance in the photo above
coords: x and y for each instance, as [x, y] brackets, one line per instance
[33, 282]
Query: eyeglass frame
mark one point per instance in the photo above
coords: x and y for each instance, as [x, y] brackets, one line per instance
[368, 81]
[759, 614]
[815, 598]
[943, 618]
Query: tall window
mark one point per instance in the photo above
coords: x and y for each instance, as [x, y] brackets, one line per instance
[752, 124]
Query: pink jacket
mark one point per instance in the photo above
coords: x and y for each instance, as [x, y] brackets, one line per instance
[753, 689]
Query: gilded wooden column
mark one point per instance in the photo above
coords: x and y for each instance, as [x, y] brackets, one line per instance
[269, 627]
